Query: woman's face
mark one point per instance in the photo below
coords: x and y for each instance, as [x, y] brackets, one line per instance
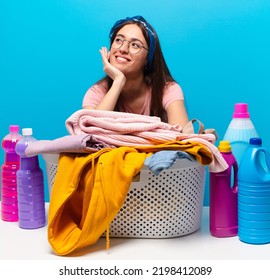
[124, 57]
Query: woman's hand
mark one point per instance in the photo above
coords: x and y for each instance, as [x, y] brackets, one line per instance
[109, 101]
[108, 68]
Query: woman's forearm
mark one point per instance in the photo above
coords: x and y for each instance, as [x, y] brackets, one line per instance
[109, 101]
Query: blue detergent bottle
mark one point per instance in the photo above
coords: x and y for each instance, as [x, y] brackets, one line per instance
[254, 194]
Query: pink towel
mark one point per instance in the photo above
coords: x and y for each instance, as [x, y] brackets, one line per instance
[126, 129]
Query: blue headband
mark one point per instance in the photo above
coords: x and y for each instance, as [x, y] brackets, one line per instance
[150, 32]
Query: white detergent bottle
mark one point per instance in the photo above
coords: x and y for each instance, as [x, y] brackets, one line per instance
[240, 130]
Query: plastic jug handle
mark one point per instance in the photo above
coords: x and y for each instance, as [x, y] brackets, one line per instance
[235, 177]
[258, 159]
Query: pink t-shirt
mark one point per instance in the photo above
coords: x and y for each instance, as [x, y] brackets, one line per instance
[95, 94]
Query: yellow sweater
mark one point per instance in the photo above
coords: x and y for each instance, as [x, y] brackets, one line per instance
[90, 189]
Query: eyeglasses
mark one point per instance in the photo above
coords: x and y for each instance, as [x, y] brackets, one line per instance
[133, 46]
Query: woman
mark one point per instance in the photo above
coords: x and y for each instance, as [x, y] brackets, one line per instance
[138, 79]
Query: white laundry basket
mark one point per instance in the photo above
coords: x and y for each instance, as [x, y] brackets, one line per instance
[163, 206]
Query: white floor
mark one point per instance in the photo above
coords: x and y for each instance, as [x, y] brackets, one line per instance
[20, 244]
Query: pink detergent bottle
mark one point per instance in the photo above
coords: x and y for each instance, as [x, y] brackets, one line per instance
[223, 196]
[9, 198]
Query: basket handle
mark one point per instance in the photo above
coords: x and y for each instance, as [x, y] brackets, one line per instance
[189, 128]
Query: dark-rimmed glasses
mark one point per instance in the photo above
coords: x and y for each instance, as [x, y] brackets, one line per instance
[133, 46]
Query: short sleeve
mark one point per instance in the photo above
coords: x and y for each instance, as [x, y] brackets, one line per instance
[172, 92]
[94, 95]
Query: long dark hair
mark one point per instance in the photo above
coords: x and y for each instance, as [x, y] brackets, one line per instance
[156, 73]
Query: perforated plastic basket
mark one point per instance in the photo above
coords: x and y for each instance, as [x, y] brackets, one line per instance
[163, 206]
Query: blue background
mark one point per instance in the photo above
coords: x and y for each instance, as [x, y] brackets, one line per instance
[218, 51]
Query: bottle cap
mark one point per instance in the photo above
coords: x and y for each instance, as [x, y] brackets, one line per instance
[255, 141]
[241, 111]
[14, 128]
[27, 131]
[224, 146]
